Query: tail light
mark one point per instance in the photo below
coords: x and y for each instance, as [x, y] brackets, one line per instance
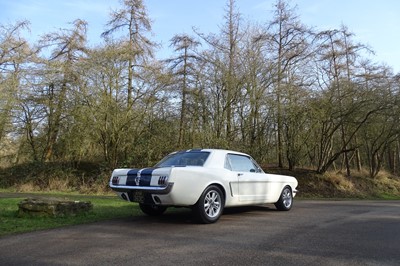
[162, 180]
[115, 180]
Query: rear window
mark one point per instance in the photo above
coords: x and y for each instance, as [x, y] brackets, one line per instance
[186, 158]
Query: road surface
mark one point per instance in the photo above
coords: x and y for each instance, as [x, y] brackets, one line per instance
[312, 233]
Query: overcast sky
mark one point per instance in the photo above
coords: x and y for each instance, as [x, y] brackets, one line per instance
[374, 23]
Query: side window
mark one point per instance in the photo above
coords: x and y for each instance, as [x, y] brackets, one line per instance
[257, 167]
[228, 163]
[240, 163]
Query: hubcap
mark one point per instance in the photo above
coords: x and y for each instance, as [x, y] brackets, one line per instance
[287, 197]
[212, 203]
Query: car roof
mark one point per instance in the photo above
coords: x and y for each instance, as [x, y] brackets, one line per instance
[224, 151]
[217, 156]
[211, 150]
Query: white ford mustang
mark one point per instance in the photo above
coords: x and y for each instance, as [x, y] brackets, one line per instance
[206, 180]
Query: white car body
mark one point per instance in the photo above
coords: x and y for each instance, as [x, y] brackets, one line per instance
[183, 185]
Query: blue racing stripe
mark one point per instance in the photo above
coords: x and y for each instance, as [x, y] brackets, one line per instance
[139, 177]
[145, 176]
[131, 176]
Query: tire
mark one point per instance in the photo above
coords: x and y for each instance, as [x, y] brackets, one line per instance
[152, 209]
[210, 205]
[285, 201]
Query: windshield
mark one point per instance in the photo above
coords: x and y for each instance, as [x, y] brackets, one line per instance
[185, 158]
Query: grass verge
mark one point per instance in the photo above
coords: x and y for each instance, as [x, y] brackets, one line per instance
[335, 184]
[104, 208]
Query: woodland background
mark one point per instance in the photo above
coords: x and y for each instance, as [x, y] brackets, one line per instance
[290, 96]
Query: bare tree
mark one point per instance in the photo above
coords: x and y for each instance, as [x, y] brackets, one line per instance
[347, 109]
[14, 53]
[68, 47]
[183, 66]
[133, 18]
[287, 41]
[224, 58]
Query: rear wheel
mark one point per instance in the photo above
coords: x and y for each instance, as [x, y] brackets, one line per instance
[209, 207]
[152, 209]
[285, 201]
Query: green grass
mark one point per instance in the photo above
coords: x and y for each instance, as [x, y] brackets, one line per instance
[104, 208]
[386, 196]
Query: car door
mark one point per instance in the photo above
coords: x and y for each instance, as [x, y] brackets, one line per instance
[252, 183]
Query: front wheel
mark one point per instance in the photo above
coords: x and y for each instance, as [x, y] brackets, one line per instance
[209, 207]
[152, 209]
[285, 201]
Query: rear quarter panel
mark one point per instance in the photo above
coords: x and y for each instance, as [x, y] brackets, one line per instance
[278, 183]
[191, 181]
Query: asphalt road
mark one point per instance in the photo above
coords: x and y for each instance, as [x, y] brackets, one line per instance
[312, 233]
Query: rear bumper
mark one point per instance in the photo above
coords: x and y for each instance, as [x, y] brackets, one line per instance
[151, 190]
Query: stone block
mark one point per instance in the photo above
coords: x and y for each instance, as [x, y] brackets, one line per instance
[52, 207]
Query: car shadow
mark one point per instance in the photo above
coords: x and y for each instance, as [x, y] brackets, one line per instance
[247, 209]
[171, 216]
[185, 215]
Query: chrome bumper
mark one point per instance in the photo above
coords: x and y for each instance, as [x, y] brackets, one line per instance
[152, 190]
